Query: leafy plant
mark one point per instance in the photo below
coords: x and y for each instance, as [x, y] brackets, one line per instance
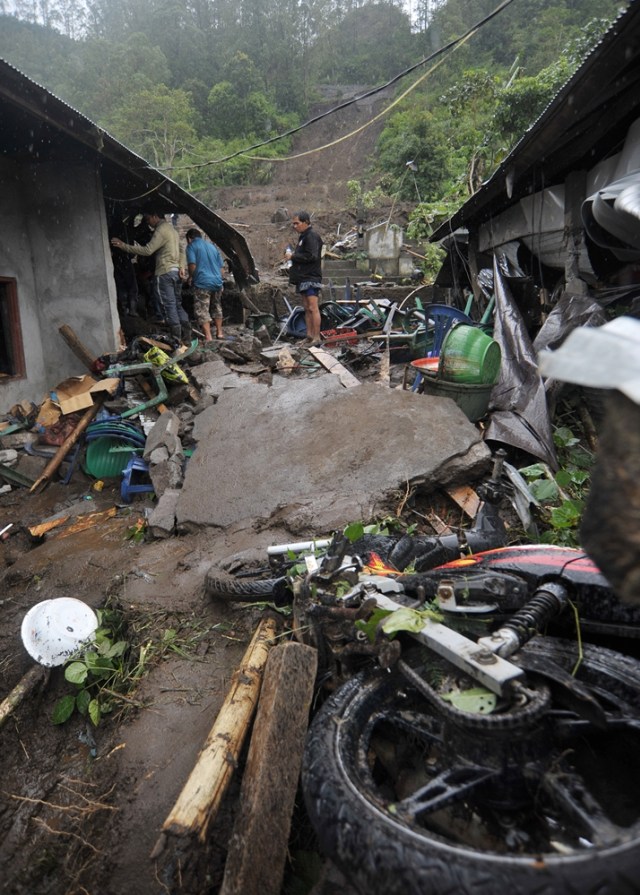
[136, 532]
[561, 496]
[96, 672]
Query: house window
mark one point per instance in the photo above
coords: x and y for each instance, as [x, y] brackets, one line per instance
[11, 351]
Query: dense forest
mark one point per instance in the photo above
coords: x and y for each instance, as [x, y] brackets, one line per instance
[183, 83]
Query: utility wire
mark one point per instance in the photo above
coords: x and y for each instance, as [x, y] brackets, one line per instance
[458, 41]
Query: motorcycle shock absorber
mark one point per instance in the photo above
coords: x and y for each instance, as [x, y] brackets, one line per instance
[548, 601]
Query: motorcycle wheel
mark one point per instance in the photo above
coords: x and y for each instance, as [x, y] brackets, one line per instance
[579, 834]
[221, 586]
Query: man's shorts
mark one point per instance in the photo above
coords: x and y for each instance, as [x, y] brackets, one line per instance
[312, 288]
[207, 303]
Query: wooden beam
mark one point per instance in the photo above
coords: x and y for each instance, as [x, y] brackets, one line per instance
[77, 347]
[258, 847]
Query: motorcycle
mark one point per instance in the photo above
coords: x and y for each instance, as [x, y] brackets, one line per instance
[472, 742]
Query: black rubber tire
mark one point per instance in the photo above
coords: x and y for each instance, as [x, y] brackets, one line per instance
[221, 586]
[382, 854]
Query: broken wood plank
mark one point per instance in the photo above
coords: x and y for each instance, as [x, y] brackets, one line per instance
[258, 847]
[202, 794]
[28, 682]
[77, 347]
[81, 523]
[466, 498]
[333, 366]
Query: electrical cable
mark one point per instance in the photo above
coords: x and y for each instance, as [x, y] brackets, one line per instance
[454, 44]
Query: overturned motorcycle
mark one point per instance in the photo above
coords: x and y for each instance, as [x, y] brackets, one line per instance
[465, 750]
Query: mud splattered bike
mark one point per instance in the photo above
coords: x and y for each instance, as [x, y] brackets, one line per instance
[473, 743]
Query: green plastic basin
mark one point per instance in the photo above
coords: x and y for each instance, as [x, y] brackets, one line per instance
[469, 355]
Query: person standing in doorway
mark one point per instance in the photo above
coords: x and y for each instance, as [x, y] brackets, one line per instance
[205, 263]
[170, 270]
[305, 273]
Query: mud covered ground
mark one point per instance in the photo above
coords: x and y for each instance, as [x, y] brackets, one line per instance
[82, 806]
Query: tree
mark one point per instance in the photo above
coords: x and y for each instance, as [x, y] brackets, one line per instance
[240, 106]
[158, 123]
[412, 148]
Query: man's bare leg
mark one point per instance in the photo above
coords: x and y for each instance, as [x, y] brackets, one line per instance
[311, 317]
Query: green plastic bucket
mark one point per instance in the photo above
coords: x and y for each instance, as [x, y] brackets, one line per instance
[471, 397]
[469, 355]
[106, 457]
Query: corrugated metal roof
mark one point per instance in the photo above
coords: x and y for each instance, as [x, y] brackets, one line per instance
[38, 126]
[586, 122]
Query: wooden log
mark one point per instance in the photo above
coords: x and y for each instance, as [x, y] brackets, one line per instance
[202, 794]
[258, 846]
[25, 685]
[77, 347]
[68, 443]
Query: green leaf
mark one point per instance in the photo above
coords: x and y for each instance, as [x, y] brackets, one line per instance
[544, 489]
[76, 673]
[94, 712]
[567, 515]
[564, 437]
[406, 619]
[370, 626]
[118, 649]
[476, 701]
[83, 699]
[354, 531]
[63, 709]
[536, 471]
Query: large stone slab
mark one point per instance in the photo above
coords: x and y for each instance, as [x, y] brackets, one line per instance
[315, 456]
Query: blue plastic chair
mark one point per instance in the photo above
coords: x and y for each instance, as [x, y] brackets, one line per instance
[438, 321]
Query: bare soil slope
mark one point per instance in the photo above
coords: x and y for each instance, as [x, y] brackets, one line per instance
[326, 156]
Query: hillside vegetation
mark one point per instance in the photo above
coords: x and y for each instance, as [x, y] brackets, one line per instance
[190, 86]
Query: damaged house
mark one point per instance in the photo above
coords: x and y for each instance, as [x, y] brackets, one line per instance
[62, 178]
[553, 237]
[562, 211]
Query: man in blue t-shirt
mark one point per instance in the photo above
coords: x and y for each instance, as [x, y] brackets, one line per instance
[204, 262]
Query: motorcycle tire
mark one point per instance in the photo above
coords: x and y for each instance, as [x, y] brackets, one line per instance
[221, 586]
[359, 828]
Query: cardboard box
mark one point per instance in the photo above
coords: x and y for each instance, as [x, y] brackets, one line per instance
[78, 392]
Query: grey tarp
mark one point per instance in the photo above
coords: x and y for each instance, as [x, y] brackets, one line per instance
[518, 410]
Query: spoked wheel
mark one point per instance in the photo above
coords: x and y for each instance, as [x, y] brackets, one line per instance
[409, 799]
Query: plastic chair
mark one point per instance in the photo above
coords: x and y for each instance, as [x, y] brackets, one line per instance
[135, 479]
[438, 321]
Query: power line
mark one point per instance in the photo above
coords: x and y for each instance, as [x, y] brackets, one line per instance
[294, 130]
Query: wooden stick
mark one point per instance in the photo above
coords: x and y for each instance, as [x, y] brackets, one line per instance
[68, 443]
[25, 685]
[77, 347]
[202, 794]
[258, 847]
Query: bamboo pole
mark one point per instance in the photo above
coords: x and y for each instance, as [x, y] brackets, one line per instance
[202, 794]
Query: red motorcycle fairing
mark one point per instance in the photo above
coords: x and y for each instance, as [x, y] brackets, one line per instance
[534, 562]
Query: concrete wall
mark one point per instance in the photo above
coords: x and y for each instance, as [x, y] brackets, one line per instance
[383, 244]
[54, 243]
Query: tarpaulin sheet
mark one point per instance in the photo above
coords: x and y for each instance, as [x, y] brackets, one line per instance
[518, 410]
